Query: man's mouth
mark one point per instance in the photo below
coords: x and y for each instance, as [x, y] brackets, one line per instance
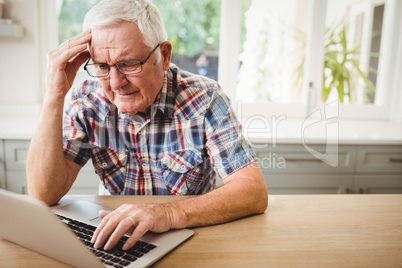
[126, 94]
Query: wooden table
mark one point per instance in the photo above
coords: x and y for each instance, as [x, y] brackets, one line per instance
[295, 231]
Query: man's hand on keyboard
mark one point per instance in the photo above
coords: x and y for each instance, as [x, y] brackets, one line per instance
[115, 224]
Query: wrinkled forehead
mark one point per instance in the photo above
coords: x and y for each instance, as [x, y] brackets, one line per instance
[121, 40]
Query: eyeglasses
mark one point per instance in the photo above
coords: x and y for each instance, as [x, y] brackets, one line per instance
[124, 66]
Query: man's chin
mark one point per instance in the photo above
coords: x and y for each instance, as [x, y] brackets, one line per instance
[129, 110]
[126, 109]
[129, 107]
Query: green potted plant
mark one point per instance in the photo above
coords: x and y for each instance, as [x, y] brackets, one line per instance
[341, 65]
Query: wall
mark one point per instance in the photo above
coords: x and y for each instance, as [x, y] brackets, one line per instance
[20, 67]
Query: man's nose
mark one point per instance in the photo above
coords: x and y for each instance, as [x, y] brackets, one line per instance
[117, 79]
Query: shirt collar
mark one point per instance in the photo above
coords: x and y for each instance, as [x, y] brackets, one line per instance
[164, 101]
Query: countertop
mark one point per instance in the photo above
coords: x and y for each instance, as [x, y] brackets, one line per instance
[295, 231]
[21, 126]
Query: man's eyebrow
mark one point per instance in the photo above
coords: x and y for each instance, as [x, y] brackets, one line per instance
[95, 61]
[123, 59]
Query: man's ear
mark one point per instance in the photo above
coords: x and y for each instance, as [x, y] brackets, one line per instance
[166, 53]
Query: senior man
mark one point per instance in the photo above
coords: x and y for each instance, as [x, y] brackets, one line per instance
[149, 127]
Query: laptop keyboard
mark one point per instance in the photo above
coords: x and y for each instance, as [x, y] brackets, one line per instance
[116, 257]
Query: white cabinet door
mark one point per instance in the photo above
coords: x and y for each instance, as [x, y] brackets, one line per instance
[294, 158]
[16, 182]
[16, 152]
[378, 184]
[15, 177]
[87, 181]
[15, 160]
[308, 184]
[379, 169]
[2, 166]
[291, 169]
[379, 159]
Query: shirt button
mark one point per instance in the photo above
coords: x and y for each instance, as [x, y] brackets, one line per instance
[122, 156]
[183, 167]
[104, 164]
[145, 165]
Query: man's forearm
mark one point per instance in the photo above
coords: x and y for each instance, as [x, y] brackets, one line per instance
[47, 171]
[238, 198]
[244, 193]
[49, 175]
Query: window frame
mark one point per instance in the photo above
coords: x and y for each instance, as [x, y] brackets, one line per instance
[314, 67]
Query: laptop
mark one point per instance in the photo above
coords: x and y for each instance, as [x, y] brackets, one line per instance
[31, 224]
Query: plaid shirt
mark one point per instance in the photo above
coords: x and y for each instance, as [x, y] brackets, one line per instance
[188, 136]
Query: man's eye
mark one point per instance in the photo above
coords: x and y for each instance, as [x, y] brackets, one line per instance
[103, 66]
[129, 66]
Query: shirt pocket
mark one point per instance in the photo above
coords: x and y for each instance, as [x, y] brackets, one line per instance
[110, 165]
[183, 171]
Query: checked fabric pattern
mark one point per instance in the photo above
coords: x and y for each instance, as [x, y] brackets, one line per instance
[188, 139]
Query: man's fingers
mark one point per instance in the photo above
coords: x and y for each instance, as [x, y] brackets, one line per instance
[124, 226]
[105, 232]
[116, 224]
[102, 224]
[72, 52]
[71, 47]
[80, 59]
[77, 40]
[110, 221]
[138, 232]
[71, 43]
[104, 213]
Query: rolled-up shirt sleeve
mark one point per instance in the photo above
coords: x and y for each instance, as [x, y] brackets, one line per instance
[75, 139]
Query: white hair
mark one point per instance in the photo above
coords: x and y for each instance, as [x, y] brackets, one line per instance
[142, 12]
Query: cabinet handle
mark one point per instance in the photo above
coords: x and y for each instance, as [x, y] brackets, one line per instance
[291, 159]
[395, 159]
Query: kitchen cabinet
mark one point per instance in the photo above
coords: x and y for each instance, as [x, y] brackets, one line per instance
[2, 166]
[379, 169]
[15, 153]
[287, 169]
[309, 183]
[385, 159]
[378, 184]
[291, 169]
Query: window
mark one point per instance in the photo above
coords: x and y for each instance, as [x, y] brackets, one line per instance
[358, 25]
[273, 52]
[193, 29]
[301, 53]
[276, 57]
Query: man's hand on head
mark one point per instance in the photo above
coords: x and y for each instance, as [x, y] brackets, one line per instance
[63, 63]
